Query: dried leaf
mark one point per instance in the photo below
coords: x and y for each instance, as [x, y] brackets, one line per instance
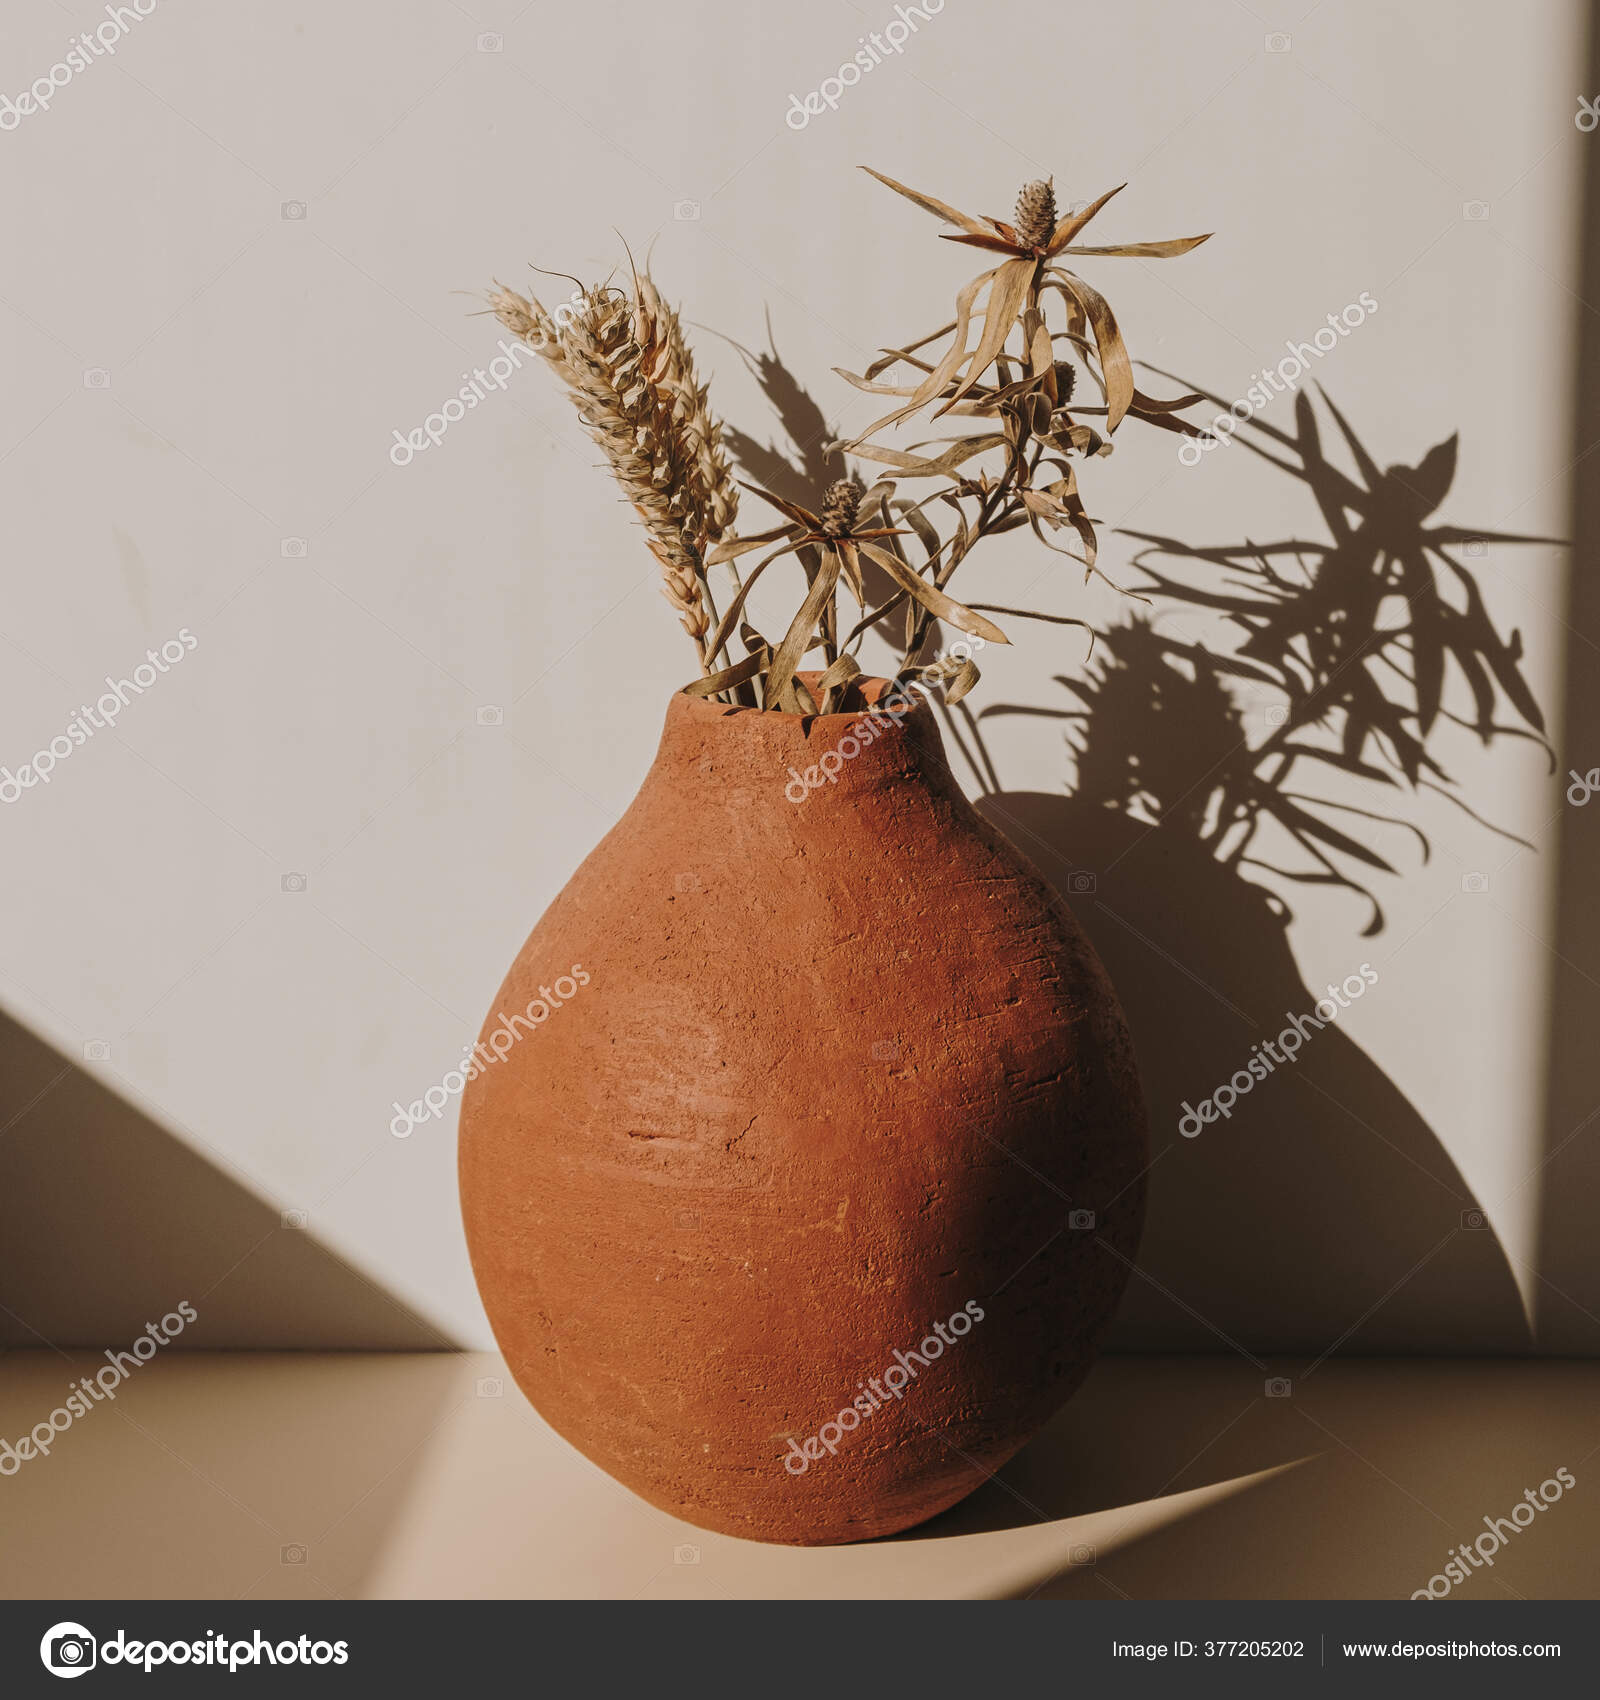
[995, 244]
[841, 672]
[891, 355]
[736, 607]
[799, 637]
[1033, 614]
[1115, 366]
[963, 682]
[916, 466]
[736, 546]
[850, 569]
[735, 675]
[955, 356]
[1148, 404]
[972, 226]
[1072, 223]
[793, 509]
[1007, 293]
[1147, 250]
[933, 599]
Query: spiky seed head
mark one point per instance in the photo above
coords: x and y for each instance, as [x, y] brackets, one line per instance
[840, 505]
[1036, 213]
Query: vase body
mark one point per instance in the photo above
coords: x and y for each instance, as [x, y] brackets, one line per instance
[800, 1076]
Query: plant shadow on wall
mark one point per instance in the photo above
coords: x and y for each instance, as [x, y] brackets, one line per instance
[1299, 1201]
[1320, 1212]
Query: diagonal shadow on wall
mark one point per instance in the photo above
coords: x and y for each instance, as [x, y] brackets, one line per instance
[107, 1219]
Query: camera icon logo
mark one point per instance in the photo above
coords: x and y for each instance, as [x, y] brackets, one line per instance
[294, 1553]
[685, 211]
[96, 378]
[293, 548]
[97, 1050]
[68, 1649]
[1475, 210]
[1279, 1387]
[293, 1219]
[1080, 1219]
[686, 1555]
[685, 882]
[1084, 1555]
[491, 1387]
[1474, 882]
[1472, 1220]
[687, 1221]
[491, 714]
[293, 882]
[1081, 884]
[1475, 548]
[292, 210]
[885, 1050]
[490, 42]
[1278, 715]
[1277, 42]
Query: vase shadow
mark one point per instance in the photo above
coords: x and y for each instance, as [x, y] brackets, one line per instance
[1183, 1478]
[1322, 1213]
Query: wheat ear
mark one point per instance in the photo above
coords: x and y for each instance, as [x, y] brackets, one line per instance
[597, 354]
[696, 433]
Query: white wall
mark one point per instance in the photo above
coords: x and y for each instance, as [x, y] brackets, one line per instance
[327, 722]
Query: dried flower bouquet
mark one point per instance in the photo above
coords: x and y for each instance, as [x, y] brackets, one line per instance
[1009, 359]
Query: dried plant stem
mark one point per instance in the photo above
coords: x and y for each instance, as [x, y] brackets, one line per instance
[628, 372]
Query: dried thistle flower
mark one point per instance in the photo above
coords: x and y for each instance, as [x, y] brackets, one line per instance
[841, 502]
[1000, 363]
[1016, 289]
[1036, 214]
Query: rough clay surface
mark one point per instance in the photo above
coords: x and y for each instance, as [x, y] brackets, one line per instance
[841, 1067]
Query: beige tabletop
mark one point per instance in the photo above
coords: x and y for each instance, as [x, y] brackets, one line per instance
[307, 1475]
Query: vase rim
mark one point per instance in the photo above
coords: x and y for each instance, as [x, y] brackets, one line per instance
[874, 689]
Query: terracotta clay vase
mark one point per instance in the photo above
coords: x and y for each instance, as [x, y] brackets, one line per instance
[791, 1079]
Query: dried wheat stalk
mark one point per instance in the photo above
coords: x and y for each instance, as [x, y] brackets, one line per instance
[629, 373]
[711, 496]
